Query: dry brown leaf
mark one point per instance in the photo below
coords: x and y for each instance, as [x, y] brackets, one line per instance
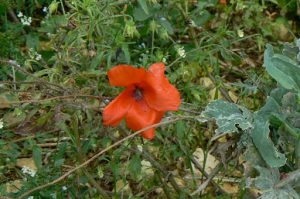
[27, 162]
[13, 186]
[122, 187]
[4, 103]
[211, 161]
[230, 188]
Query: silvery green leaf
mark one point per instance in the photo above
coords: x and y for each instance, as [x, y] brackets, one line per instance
[283, 69]
[267, 181]
[229, 117]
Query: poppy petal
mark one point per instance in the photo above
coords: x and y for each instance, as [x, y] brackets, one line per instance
[140, 115]
[125, 75]
[158, 92]
[114, 112]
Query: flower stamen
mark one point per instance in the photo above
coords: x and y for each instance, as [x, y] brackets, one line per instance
[138, 94]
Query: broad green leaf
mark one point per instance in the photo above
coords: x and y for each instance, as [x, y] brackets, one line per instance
[262, 141]
[284, 70]
[144, 6]
[260, 132]
[229, 117]
[140, 15]
[166, 24]
[267, 181]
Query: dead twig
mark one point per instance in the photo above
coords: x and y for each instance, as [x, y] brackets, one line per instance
[55, 98]
[208, 180]
[19, 68]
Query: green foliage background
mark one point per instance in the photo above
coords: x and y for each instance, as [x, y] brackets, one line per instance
[240, 99]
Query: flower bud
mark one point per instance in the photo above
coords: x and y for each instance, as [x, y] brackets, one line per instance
[130, 29]
[53, 7]
[153, 26]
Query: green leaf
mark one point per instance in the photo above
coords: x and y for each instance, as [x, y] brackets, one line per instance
[166, 24]
[32, 41]
[135, 166]
[144, 6]
[37, 156]
[262, 141]
[140, 15]
[126, 53]
[180, 129]
[228, 116]
[97, 60]
[283, 69]
[267, 181]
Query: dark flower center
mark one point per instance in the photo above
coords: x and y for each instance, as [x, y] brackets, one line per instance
[138, 93]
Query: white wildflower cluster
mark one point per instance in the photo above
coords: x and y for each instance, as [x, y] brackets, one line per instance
[180, 51]
[35, 55]
[27, 170]
[1, 123]
[26, 21]
[64, 188]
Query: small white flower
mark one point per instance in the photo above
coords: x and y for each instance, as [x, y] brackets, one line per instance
[26, 21]
[27, 170]
[181, 51]
[45, 9]
[20, 14]
[64, 188]
[30, 197]
[164, 60]
[240, 33]
[1, 124]
[38, 57]
[140, 148]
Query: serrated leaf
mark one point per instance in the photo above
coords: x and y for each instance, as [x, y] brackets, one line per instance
[228, 116]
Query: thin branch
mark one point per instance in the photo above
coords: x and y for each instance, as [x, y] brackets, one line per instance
[94, 158]
[222, 89]
[55, 98]
[200, 168]
[208, 180]
[156, 164]
[19, 68]
[213, 173]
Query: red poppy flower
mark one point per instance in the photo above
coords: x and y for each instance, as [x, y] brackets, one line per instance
[148, 95]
